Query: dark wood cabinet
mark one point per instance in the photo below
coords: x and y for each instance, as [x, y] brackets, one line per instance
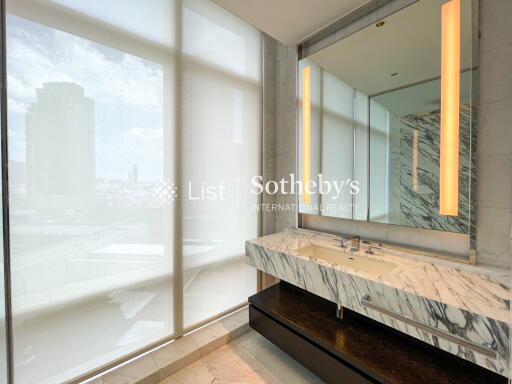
[354, 350]
[272, 330]
[326, 366]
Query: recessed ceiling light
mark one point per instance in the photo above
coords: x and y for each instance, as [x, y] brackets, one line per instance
[380, 24]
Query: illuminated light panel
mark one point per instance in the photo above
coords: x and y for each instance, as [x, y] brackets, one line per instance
[306, 133]
[450, 94]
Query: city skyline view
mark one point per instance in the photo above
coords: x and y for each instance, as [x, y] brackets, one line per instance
[127, 90]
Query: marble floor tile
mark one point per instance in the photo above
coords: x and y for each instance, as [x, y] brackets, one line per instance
[176, 355]
[140, 371]
[250, 359]
[195, 373]
[281, 365]
[233, 366]
[220, 333]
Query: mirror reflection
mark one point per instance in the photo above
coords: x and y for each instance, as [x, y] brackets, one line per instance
[403, 126]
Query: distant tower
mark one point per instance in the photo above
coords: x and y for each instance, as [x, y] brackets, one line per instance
[135, 173]
[60, 141]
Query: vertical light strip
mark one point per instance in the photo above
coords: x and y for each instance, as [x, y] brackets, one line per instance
[415, 136]
[306, 132]
[450, 90]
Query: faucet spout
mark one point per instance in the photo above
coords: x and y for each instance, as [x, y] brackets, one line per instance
[355, 243]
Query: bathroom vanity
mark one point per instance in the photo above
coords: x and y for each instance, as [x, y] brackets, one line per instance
[459, 309]
[354, 350]
[388, 149]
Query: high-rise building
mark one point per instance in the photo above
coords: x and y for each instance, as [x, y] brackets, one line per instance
[60, 141]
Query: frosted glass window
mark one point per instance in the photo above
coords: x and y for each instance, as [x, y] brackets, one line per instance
[215, 37]
[91, 246]
[379, 143]
[134, 16]
[92, 107]
[221, 133]
[337, 144]
[361, 155]
[3, 329]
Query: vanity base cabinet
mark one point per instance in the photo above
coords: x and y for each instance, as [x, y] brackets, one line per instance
[318, 361]
[352, 350]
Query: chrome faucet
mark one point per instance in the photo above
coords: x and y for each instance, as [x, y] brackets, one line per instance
[372, 247]
[342, 240]
[355, 242]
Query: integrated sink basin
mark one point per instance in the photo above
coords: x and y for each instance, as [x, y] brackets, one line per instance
[348, 259]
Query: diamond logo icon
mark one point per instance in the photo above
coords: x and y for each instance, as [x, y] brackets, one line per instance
[166, 192]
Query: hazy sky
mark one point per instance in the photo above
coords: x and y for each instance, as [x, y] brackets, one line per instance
[127, 92]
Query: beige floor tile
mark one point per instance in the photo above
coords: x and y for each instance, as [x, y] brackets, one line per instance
[140, 371]
[250, 359]
[176, 356]
[276, 361]
[231, 366]
[195, 373]
[221, 332]
[211, 338]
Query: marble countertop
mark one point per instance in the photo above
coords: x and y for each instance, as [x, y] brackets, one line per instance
[480, 290]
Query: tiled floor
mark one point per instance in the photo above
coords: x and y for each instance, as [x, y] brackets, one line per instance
[250, 359]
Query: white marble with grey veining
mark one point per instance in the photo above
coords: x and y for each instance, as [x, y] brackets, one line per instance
[469, 302]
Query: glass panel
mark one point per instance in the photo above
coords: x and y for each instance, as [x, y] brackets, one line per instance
[221, 132]
[134, 16]
[337, 144]
[405, 135]
[379, 157]
[395, 157]
[216, 38]
[90, 176]
[3, 338]
[361, 157]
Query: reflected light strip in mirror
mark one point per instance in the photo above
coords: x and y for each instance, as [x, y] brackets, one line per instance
[306, 132]
[450, 90]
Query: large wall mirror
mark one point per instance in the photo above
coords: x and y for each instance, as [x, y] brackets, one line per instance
[387, 120]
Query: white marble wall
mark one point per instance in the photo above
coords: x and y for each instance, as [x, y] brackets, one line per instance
[286, 107]
[280, 128]
[269, 129]
[495, 134]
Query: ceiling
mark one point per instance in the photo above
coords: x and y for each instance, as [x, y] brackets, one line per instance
[290, 21]
[423, 97]
[408, 44]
